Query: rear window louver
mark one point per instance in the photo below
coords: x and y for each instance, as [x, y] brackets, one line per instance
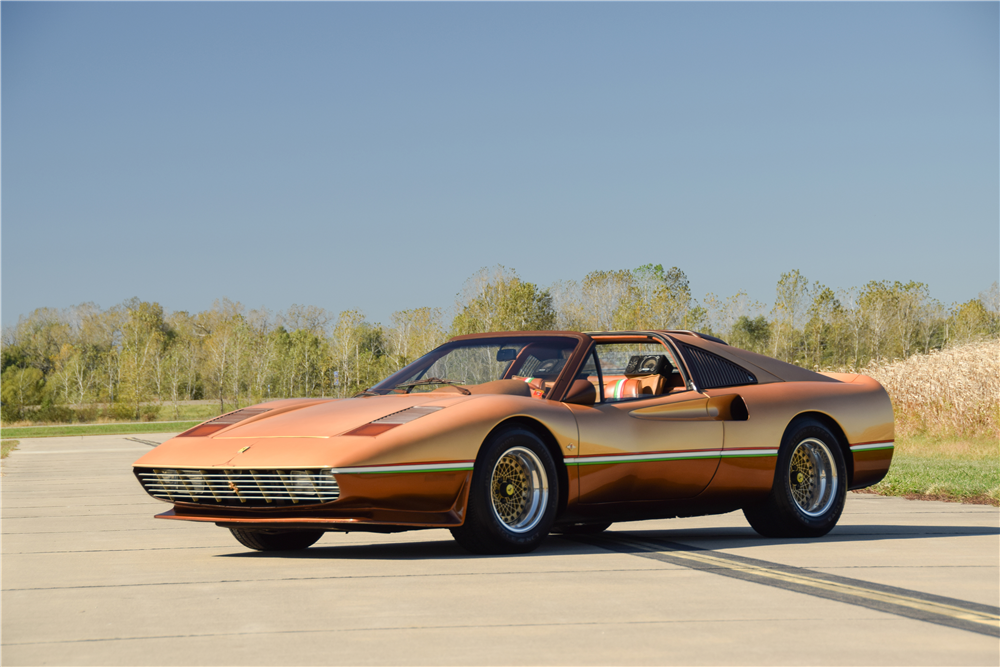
[221, 422]
[712, 371]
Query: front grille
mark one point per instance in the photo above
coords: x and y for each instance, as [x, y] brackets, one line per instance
[241, 487]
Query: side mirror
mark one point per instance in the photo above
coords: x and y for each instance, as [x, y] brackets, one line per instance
[581, 392]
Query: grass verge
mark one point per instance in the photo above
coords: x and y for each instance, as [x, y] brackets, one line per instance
[6, 447]
[199, 411]
[955, 470]
[107, 414]
[97, 429]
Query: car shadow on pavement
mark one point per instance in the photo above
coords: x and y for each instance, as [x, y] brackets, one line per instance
[398, 551]
[728, 538]
[558, 545]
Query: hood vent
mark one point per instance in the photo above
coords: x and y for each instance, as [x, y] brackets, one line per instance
[407, 415]
[380, 426]
[221, 422]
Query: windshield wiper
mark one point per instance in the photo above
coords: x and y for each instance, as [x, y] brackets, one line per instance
[366, 392]
[453, 383]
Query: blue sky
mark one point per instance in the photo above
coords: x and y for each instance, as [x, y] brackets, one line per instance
[374, 156]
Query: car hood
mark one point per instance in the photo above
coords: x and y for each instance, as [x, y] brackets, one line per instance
[301, 433]
[331, 418]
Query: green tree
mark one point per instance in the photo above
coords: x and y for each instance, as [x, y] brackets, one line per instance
[143, 338]
[412, 334]
[751, 334]
[497, 300]
[262, 358]
[663, 297]
[723, 314]
[611, 299]
[696, 319]
[307, 355]
[357, 354]
[877, 300]
[20, 387]
[41, 336]
[12, 355]
[909, 301]
[790, 303]
[821, 330]
[189, 353]
[971, 321]
[348, 353]
[225, 343]
[932, 326]
[281, 379]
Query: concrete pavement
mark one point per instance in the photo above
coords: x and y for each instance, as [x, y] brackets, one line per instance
[89, 577]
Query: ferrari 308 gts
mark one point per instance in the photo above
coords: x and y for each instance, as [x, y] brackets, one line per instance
[503, 438]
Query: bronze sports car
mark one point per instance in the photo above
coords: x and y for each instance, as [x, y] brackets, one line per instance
[505, 437]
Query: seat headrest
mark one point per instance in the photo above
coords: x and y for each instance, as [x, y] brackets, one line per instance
[648, 364]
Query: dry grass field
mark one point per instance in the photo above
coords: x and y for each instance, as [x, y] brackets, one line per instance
[951, 393]
[947, 407]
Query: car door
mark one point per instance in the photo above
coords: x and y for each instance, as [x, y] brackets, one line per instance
[660, 446]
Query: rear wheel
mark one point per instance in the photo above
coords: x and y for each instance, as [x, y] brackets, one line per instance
[291, 540]
[810, 486]
[512, 500]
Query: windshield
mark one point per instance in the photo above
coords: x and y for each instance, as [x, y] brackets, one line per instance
[537, 361]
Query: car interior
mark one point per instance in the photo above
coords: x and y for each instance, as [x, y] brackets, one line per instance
[645, 376]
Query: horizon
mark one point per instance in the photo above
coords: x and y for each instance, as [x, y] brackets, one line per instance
[449, 312]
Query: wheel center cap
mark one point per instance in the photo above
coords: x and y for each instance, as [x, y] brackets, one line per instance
[800, 478]
[510, 489]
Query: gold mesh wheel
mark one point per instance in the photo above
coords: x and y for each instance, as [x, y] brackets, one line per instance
[519, 489]
[812, 477]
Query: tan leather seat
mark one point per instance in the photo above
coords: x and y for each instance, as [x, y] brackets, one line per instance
[616, 390]
[536, 386]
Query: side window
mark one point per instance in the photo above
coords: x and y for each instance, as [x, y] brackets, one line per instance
[635, 370]
[542, 362]
[539, 365]
[591, 372]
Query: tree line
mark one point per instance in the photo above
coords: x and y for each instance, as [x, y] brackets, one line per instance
[133, 359]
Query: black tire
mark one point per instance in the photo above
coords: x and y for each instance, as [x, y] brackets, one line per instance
[810, 485]
[290, 540]
[513, 497]
[581, 528]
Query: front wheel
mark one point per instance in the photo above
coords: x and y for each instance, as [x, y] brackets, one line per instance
[289, 540]
[513, 496]
[810, 486]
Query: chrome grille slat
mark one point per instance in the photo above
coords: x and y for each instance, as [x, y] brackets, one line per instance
[265, 487]
[241, 488]
[206, 492]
